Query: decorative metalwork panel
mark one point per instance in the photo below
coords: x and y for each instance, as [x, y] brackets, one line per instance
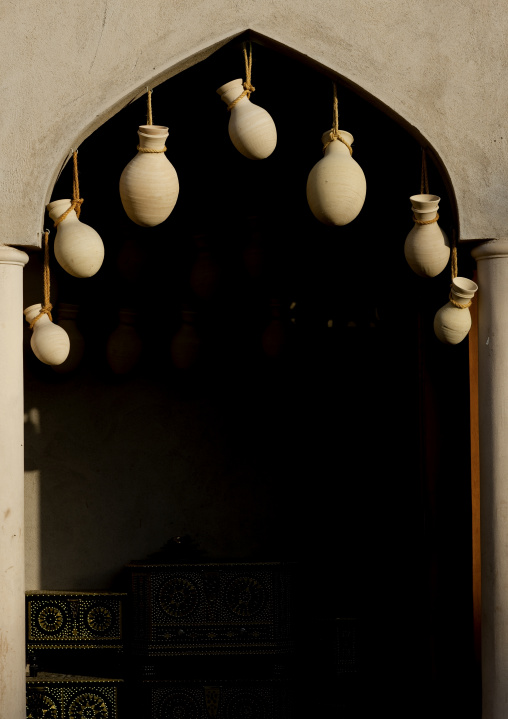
[222, 699]
[210, 608]
[62, 620]
[59, 696]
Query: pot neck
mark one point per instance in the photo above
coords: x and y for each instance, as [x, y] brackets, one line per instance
[56, 209]
[152, 137]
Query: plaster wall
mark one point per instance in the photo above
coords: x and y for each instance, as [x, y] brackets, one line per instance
[438, 67]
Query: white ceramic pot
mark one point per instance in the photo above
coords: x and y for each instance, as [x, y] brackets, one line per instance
[78, 247]
[427, 249]
[452, 324]
[149, 183]
[251, 129]
[49, 342]
[336, 186]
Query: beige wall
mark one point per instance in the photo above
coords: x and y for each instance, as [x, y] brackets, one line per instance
[440, 67]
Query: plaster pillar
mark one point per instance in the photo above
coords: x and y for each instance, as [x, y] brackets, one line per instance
[492, 262]
[12, 557]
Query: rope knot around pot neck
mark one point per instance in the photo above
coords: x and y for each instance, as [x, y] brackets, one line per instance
[458, 304]
[334, 133]
[76, 201]
[248, 87]
[47, 306]
[426, 222]
[151, 150]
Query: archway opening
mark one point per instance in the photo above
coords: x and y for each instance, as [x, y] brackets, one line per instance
[337, 453]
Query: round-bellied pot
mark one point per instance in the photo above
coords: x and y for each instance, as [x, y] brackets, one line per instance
[251, 128]
[78, 247]
[149, 184]
[427, 249]
[49, 342]
[451, 323]
[336, 186]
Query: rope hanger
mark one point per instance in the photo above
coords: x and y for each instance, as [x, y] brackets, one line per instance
[335, 134]
[149, 121]
[424, 190]
[77, 201]
[47, 306]
[454, 271]
[247, 85]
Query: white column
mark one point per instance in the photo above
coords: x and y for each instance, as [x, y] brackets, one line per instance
[492, 262]
[12, 559]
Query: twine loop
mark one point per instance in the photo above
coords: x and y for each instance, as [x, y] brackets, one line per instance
[248, 87]
[77, 201]
[334, 134]
[457, 304]
[47, 306]
[426, 222]
[150, 149]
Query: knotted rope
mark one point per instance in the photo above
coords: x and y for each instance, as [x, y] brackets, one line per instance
[47, 307]
[334, 134]
[454, 269]
[150, 150]
[248, 86]
[77, 201]
[424, 190]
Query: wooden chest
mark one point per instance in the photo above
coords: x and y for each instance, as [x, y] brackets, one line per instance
[61, 696]
[203, 699]
[210, 609]
[74, 620]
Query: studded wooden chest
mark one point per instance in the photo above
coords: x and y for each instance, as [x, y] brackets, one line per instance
[204, 699]
[62, 696]
[207, 609]
[74, 620]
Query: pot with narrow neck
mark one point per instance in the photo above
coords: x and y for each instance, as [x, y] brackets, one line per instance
[251, 128]
[336, 185]
[78, 247]
[149, 184]
[427, 248]
[452, 323]
[49, 342]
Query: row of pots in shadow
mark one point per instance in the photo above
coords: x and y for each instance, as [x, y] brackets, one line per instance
[62, 345]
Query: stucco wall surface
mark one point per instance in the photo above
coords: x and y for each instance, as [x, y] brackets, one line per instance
[440, 67]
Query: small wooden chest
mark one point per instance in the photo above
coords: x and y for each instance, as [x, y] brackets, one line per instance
[61, 696]
[206, 609]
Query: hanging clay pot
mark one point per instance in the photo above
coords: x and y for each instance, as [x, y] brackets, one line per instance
[185, 345]
[251, 129]
[124, 346]
[149, 183]
[451, 323]
[427, 249]
[336, 186]
[205, 273]
[78, 247]
[49, 342]
[67, 315]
